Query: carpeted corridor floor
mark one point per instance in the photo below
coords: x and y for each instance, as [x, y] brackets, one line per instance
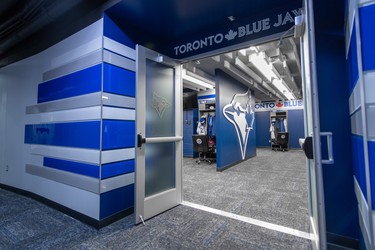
[270, 187]
[28, 224]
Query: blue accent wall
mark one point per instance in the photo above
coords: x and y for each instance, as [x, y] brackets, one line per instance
[82, 82]
[117, 168]
[118, 134]
[73, 167]
[190, 120]
[227, 145]
[113, 31]
[340, 200]
[295, 127]
[115, 201]
[262, 122]
[352, 61]
[72, 134]
[367, 20]
[118, 80]
[371, 152]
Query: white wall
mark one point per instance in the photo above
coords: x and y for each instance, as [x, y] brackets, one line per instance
[18, 89]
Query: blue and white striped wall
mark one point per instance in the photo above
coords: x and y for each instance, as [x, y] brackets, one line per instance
[82, 127]
[360, 54]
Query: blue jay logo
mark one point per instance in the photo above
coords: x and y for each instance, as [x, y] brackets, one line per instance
[159, 104]
[240, 113]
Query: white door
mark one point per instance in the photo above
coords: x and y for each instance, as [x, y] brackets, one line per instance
[312, 131]
[159, 128]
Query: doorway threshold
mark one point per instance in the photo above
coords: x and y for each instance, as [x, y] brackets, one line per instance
[275, 227]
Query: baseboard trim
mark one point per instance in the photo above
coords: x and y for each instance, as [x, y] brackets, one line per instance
[342, 241]
[68, 211]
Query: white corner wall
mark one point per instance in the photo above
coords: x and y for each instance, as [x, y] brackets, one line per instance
[18, 89]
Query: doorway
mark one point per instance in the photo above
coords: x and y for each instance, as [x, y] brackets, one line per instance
[270, 187]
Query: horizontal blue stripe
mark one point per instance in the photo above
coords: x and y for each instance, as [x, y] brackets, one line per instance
[117, 168]
[359, 163]
[206, 97]
[75, 134]
[73, 167]
[371, 153]
[111, 30]
[118, 134]
[367, 20]
[115, 201]
[78, 83]
[118, 80]
[353, 61]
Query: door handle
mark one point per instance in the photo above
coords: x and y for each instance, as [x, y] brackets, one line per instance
[307, 146]
[140, 140]
[330, 159]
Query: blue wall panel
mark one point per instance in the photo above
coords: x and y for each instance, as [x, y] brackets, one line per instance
[118, 80]
[117, 168]
[116, 200]
[340, 201]
[73, 167]
[202, 97]
[78, 83]
[352, 61]
[359, 163]
[190, 126]
[111, 30]
[371, 152]
[295, 127]
[118, 134]
[227, 144]
[263, 136]
[74, 134]
[367, 20]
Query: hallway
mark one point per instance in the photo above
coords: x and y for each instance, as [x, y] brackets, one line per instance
[28, 224]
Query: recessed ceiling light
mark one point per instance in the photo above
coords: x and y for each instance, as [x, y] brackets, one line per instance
[231, 18]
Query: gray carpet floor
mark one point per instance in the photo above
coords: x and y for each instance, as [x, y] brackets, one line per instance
[270, 187]
[28, 224]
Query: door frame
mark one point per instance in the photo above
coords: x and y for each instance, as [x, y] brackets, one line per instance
[315, 113]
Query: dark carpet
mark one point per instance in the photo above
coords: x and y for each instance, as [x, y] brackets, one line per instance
[28, 224]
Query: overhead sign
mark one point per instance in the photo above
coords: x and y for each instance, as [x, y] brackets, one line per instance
[269, 23]
[281, 105]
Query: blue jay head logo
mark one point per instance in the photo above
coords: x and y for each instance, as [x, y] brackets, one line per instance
[240, 113]
[159, 104]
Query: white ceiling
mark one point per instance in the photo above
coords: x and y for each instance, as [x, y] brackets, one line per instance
[284, 56]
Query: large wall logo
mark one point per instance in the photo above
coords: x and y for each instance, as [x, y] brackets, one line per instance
[240, 32]
[239, 112]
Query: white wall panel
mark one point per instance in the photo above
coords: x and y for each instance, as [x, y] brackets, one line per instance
[118, 113]
[119, 48]
[369, 81]
[117, 155]
[81, 43]
[74, 154]
[80, 114]
[77, 199]
[355, 99]
[356, 123]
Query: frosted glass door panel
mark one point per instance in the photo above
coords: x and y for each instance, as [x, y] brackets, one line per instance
[160, 106]
[160, 167]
